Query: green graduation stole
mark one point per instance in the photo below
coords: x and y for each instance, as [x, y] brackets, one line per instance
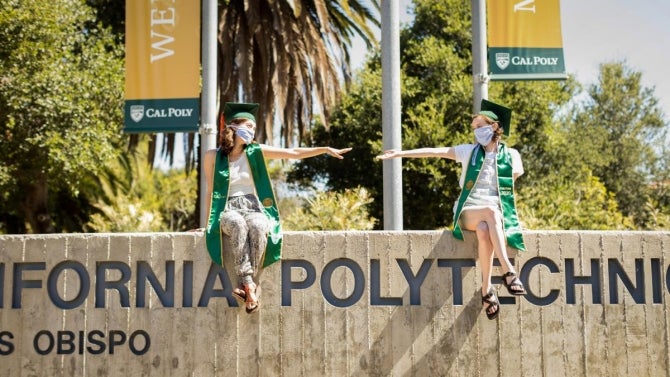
[265, 194]
[505, 192]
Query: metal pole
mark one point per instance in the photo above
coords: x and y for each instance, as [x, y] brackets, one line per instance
[480, 77]
[208, 101]
[391, 136]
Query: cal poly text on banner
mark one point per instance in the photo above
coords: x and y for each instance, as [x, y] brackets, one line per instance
[525, 41]
[162, 66]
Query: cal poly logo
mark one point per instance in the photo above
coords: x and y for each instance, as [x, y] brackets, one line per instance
[137, 112]
[502, 60]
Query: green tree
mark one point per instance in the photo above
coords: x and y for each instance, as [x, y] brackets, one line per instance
[329, 210]
[61, 90]
[437, 104]
[570, 202]
[357, 123]
[622, 124]
[134, 197]
[658, 207]
[573, 150]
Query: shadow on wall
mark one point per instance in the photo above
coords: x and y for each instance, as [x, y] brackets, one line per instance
[449, 309]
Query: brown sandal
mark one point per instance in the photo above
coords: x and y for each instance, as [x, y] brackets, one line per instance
[239, 294]
[251, 300]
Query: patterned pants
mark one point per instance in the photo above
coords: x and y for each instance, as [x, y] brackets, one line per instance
[247, 228]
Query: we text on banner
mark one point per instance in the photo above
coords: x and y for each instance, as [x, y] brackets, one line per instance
[162, 66]
[524, 40]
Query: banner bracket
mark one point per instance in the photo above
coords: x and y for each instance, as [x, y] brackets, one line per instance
[207, 129]
[482, 78]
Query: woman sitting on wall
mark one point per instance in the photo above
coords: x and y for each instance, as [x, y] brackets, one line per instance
[242, 204]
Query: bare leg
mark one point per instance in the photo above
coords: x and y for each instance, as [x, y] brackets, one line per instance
[485, 249]
[470, 220]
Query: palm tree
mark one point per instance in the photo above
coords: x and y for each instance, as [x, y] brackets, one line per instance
[291, 56]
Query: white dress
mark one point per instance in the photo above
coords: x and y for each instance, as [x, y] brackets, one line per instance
[485, 191]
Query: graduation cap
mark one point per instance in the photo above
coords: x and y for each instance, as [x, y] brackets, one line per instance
[498, 113]
[233, 110]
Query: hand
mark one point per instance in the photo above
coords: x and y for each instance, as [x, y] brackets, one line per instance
[389, 154]
[337, 153]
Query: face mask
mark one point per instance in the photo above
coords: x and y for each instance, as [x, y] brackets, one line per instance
[244, 133]
[484, 135]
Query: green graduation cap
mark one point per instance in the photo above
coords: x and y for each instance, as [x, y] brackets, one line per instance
[499, 113]
[233, 110]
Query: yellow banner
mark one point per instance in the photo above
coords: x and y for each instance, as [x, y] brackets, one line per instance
[162, 63]
[524, 39]
[524, 23]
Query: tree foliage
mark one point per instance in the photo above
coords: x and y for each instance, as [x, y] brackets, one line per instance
[581, 202]
[290, 56]
[437, 107]
[331, 210]
[133, 197]
[624, 123]
[609, 141]
[61, 87]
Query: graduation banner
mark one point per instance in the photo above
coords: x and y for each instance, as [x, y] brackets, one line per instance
[162, 66]
[524, 40]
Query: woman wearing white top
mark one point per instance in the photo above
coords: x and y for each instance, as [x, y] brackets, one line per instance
[486, 204]
[243, 207]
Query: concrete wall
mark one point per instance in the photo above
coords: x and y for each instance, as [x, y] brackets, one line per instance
[339, 304]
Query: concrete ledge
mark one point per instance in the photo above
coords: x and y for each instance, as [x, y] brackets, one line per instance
[338, 304]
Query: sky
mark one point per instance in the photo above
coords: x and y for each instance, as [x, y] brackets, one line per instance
[636, 32]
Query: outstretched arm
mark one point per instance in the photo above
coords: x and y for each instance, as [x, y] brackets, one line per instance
[443, 152]
[300, 153]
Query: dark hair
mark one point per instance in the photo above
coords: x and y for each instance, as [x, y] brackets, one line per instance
[226, 140]
[497, 134]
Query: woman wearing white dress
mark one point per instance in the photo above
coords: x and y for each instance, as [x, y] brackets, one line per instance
[486, 204]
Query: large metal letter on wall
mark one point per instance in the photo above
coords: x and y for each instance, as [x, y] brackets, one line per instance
[162, 66]
[524, 38]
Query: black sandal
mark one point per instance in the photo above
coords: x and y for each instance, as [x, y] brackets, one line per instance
[492, 302]
[520, 291]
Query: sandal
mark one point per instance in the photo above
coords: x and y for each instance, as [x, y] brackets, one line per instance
[492, 301]
[239, 294]
[251, 300]
[520, 290]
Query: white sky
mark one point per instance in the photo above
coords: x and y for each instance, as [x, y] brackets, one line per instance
[637, 32]
[600, 31]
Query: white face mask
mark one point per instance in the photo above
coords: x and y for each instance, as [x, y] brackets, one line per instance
[244, 133]
[484, 135]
